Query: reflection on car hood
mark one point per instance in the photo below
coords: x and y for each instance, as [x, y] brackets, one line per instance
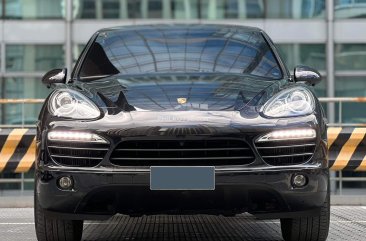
[180, 92]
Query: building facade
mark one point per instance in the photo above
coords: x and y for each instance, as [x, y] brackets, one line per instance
[38, 35]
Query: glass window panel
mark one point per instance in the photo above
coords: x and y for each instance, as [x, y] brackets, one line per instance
[350, 56]
[154, 9]
[9, 186]
[354, 186]
[30, 58]
[231, 9]
[121, 9]
[183, 9]
[312, 55]
[90, 9]
[352, 87]
[134, 9]
[281, 9]
[298, 9]
[34, 9]
[111, 8]
[17, 88]
[350, 8]
[199, 9]
[295, 9]
[86, 9]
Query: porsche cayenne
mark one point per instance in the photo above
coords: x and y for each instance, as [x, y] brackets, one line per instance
[181, 119]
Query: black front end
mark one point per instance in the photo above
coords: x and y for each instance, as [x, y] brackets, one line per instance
[182, 119]
[250, 176]
[213, 97]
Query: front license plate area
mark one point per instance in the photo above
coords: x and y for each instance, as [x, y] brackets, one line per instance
[182, 178]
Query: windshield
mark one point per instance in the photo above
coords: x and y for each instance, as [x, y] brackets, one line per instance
[169, 49]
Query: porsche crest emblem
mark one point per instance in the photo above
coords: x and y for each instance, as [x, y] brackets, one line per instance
[182, 100]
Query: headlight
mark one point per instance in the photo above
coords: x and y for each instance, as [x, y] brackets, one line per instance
[71, 104]
[292, 102]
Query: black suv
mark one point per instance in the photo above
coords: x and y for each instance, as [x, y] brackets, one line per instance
[181, 119]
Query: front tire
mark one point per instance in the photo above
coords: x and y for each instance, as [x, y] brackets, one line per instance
[308, 228]
[52, 229]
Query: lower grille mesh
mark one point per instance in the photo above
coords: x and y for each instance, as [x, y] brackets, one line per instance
[77, 154]
[182, 153]
[284, 153]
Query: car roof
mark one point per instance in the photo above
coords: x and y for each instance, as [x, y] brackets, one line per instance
[181, 26]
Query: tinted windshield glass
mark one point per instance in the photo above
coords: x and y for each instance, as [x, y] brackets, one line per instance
[167, 49]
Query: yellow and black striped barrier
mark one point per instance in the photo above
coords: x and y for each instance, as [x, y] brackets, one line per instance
[347, 149]
[18, 148]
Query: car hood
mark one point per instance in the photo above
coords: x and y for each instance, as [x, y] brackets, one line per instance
[180, 92]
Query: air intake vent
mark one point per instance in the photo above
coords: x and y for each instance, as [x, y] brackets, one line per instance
[285, 153]
[218, 152]
[77, 154]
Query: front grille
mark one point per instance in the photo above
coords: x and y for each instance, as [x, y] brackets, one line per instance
[77, 154]
[216, 152]
[176, 131]
[285, 153]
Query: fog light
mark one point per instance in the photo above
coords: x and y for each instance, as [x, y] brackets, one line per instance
[299, 180]
[65, 183]
[289, 134]
[74, 136]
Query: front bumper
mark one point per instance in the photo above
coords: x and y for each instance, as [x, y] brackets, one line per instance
[266, 194]
[258, 188]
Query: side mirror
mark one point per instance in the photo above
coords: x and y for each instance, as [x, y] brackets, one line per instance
[307, 75]
[55, 76]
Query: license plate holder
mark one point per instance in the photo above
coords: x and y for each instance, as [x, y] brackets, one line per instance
[182, 178]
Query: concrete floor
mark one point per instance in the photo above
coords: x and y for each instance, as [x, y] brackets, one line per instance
[347, 223]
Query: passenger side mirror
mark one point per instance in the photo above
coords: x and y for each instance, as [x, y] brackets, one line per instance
[307, 75]
[55, 76]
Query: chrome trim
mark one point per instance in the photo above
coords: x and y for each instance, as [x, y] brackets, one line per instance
[290, 146]
[80, 148]
[184, 158]
[190, 149]
[77, 157]
[291, 155]
[218, 169]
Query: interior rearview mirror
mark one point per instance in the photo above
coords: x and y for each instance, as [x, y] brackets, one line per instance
[55, 76]
[307, 75]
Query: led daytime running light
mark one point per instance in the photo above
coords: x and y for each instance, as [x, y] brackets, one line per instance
[75, 136]
[291, 134]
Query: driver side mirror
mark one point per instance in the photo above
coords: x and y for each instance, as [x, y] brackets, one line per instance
[55, 76]
[307, 75]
